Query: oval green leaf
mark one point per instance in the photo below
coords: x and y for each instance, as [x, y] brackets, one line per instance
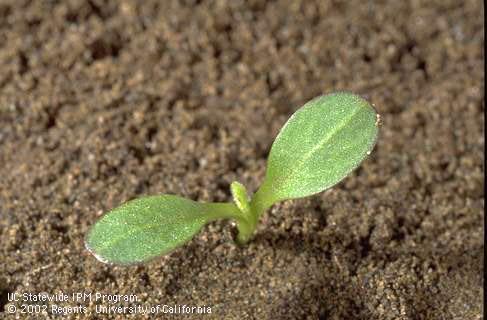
[319, 145]
[145, 228]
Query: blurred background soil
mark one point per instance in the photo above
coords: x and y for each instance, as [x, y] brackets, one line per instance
[104, 101]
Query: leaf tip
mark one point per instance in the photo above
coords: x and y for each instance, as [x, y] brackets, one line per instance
[90, 248]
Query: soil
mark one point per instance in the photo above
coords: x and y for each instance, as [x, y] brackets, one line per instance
[105, 101]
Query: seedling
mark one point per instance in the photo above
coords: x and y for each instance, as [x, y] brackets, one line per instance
[319, 145]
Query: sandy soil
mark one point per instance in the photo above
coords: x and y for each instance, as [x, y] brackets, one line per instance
[104, 101]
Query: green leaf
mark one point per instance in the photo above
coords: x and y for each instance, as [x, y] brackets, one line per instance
[318, 146]
[246, 224]
[240, 197]
[148, 227]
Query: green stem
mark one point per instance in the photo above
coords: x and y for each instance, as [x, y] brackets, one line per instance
[258, 205]
[215, 211]
[222, 210]
[246, 219]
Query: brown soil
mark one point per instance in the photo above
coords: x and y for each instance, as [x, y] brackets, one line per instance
[104, 101]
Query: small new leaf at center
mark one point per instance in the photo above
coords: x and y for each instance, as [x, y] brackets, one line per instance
[240, 197]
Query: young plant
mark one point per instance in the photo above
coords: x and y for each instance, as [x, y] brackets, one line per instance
[319, 145]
